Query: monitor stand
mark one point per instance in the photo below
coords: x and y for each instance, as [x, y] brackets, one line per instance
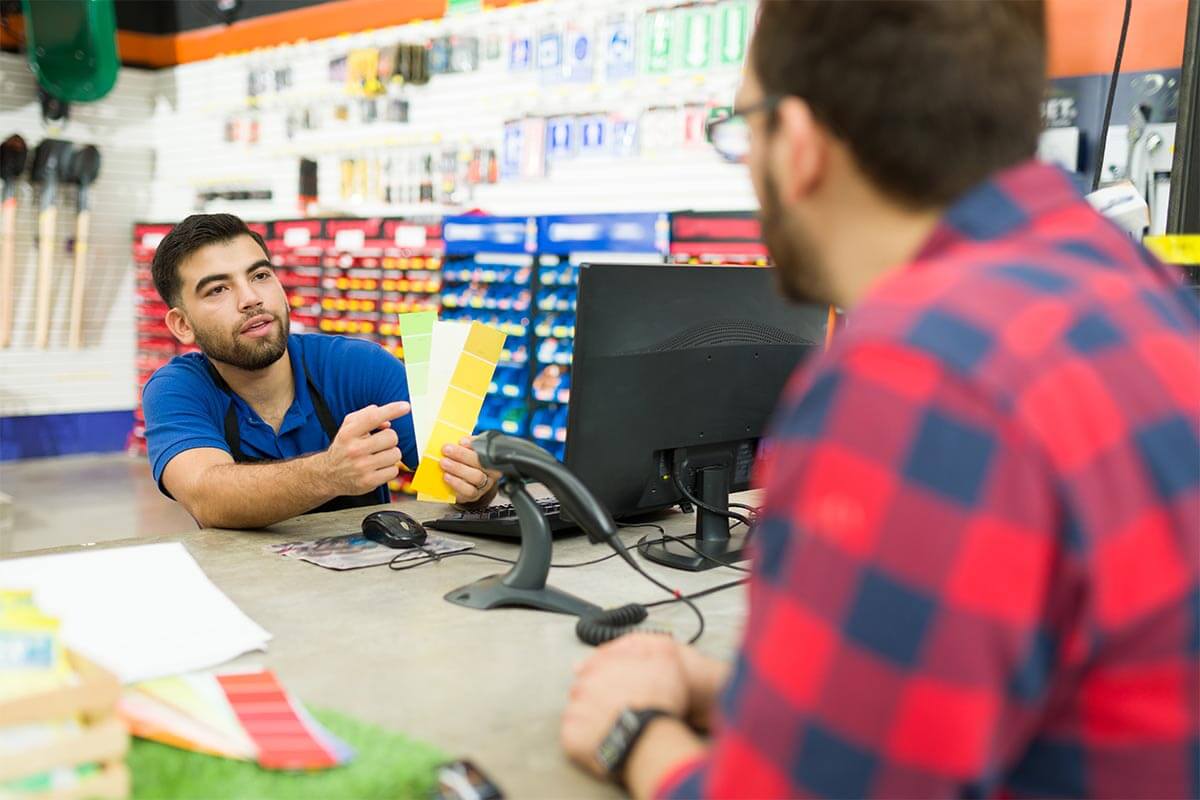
[524, 584]
[713, 537]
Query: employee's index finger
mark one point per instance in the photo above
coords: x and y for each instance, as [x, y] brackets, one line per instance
[368, 419]
[393, 410]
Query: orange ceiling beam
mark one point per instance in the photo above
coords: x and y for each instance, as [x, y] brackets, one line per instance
[314, 22]
[1083, 36]
[1082, 33]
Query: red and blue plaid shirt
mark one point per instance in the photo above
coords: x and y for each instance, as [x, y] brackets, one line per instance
[976, 573]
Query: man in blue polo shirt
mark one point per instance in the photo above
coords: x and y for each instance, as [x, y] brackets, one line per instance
[262, 425]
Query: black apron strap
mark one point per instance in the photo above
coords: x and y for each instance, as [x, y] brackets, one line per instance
[323, 416]
[233, 438]
[331, 428]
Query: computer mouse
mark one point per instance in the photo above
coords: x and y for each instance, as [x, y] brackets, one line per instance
[393, 529]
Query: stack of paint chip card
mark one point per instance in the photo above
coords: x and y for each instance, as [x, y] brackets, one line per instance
[247, 716]
[450, 366]
[33, 663]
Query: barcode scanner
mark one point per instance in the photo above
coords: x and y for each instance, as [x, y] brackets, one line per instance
[518, 463]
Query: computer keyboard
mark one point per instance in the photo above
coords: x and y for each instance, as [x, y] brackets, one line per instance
[499, 521]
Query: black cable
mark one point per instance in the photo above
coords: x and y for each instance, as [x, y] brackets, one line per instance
[752, 509]
[683, 490]
[1112, 93]
[702, 593]
[604, 626]
[432, 556]
[619, 546]
[435, 558]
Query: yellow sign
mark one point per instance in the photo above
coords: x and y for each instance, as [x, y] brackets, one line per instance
[1179, 249]
[362, 73]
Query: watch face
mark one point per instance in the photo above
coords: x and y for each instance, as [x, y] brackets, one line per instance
[615, 747]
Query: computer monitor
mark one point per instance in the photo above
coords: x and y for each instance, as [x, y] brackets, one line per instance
[676, 372]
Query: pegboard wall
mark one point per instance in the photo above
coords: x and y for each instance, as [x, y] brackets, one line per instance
[629, 131]
[100, 375]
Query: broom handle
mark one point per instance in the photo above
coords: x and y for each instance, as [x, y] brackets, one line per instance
[41, 328]
[75, 336]
[8, 283]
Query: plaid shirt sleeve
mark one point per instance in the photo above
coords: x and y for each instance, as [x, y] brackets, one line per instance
[903, 622]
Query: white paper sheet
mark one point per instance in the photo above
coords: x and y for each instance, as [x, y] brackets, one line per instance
[142, 612]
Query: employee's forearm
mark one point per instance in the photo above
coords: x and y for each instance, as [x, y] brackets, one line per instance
[257, 495]
[664, 745]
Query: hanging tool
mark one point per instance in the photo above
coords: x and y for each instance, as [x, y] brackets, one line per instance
[82, 170]
[72, 47]
[12, 163]
[49, 162]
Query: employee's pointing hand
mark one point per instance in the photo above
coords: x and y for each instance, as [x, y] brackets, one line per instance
[364, 455]
[368, 419]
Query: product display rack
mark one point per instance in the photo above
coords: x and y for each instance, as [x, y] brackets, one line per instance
[297, 248]
[717, 237]
[489, 276]
[564, 242]
[411, 253]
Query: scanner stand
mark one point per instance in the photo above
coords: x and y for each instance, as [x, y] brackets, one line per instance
[525, 584]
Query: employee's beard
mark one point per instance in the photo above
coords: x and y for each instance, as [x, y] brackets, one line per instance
[797, 270]
[247, 354]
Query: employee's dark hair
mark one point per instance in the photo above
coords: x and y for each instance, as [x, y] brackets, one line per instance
[930, 96]
[196, 231]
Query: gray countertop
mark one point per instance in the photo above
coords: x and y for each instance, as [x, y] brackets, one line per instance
[386, 647]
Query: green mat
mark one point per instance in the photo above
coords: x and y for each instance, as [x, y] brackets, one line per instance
[386, 765]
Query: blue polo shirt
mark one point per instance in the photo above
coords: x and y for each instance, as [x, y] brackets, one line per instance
[185, 409]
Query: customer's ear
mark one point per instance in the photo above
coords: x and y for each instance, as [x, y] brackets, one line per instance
[799, 150]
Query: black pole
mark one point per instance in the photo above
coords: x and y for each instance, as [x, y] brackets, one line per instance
[1112, 92]
[1183, 209]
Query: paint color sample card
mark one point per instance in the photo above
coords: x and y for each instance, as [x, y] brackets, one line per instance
[149, 717]
[284, 734]
[416, 334]
[459, 410]
[449, 339]
[246, 716]
[198, 697]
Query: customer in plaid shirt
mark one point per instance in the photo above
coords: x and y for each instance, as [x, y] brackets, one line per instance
[976, 571]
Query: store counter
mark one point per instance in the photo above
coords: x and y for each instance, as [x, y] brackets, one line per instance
[386, 647]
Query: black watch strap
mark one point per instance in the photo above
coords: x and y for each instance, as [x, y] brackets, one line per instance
[618, 744]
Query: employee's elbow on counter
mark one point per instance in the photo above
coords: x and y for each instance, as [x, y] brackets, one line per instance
[202, 498]
[217, 518]
[205, 517]
[210, 512]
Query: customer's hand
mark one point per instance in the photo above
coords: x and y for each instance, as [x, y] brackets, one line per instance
[705, 675]
[634, 672]
[472, 484]
[363, 455]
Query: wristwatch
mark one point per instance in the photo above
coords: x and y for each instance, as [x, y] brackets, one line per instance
[614, 751]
